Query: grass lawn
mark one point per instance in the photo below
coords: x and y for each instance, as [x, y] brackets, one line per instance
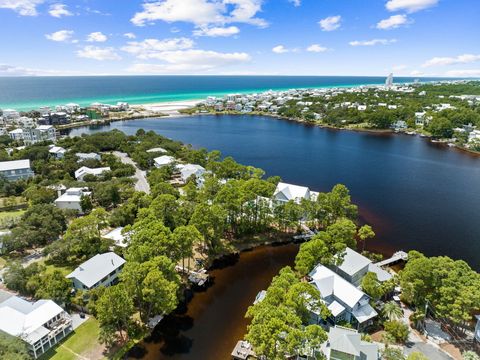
[83, 341]
[11, 214]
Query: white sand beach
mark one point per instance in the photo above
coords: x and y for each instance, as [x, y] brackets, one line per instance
[170, 108]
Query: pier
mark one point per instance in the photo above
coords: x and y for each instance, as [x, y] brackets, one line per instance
[398, 256]
[198, 278]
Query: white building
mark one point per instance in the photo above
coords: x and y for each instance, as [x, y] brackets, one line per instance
[16, 169]
[57, 152]
[156, 150]
[84, 170]
[41, 324]
[100, 270]
[25, 122]
[344, 300]
[118, 237]
[72, 199]
[16, 134]
[286, 192]
[344, 343]
[39, 134]
[389, 81]
[164, 160]
[10, 115]
[188, 170]
[87, 156]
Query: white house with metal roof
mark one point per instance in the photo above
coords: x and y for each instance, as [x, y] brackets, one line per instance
[100, 270]
[355, 266]
[188, 170]
[41, 324]
[87, 156]
[345, 301]
[286, 192]
[16, 169]
[72, 199]
[119, 238]
[344, 343]
[163, 160]
[57, 152]
[84, 170]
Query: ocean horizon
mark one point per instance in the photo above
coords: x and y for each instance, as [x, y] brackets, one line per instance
[27, 93]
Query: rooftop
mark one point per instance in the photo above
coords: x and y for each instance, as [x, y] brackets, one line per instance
[96, 268]
[14, 165]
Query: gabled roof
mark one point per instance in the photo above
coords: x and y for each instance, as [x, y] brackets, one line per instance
[25, 319]
[349, 341]
[332, 284]
[14, 165]
[164, 160]
[96, 268]
[353, 262]
[92, 171]
[291, 192]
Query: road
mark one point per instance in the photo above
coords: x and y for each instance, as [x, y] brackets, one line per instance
[140, 175]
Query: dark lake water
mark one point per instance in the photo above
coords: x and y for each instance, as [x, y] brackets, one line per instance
[415, 194]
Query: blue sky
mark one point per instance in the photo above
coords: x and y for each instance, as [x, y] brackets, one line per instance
[273, 37]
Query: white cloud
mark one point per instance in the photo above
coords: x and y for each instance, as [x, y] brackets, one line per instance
[59, 10]
[330, 23]
[393, 22]
[130, 35]
[190, 62]
[201, 12]
[98, 53]
[372, 42]
[60, 36]
[280, 49]
[216, 31]
[10, 70]
[22, 7]
[97, 37]
[296, 3]
[410, 5]
[316, 48]
[154, 48]
[464, 73]
[460, 59]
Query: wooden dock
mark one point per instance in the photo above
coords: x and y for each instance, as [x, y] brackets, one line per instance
[243, 350]
[398, 256]
[198, 278]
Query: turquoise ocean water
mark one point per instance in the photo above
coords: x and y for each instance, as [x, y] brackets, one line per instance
[26, 93]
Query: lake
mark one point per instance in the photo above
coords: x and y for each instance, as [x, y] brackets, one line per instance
[415, 194]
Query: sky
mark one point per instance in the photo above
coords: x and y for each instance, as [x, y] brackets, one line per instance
[240, 37]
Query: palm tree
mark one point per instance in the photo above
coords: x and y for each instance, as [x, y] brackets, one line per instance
[392, 311]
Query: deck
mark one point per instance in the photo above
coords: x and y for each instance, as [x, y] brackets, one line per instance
[398, 256]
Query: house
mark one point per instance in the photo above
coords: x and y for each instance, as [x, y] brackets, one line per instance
[188, 170]
[41, 324]
[355, 266]
[344, 300]
[87, 156]
[57, 152]
[39, 134]
[16, 169]
[156, 150]
[344, 343]
[10, 114]
[118, 237]
[84, 170]
[72, 199]
[16, 134]
[163, 160]
[100, 270]
[286, 192]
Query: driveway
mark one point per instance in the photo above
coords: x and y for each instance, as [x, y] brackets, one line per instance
[430, 351]
[140, 175]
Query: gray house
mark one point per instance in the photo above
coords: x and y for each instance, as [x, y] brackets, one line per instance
[355, 266]
[347, 344]
[100, 270]
[15, 170]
